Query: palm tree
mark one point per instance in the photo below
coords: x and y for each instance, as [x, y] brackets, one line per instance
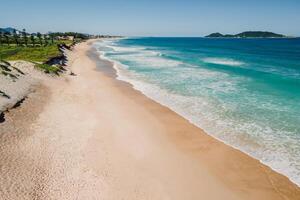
[1, 36]
[32, 39]
[46, 40]
[16, 38]
[39, 35]
[6, 38]
[25, 36]
[52, 38]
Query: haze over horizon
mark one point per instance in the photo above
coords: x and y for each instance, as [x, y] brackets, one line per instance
[153, 18]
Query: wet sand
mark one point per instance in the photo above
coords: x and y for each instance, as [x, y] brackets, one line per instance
[91, 136]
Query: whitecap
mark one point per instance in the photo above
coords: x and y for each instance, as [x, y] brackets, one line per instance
[223, 61]
[259, 140]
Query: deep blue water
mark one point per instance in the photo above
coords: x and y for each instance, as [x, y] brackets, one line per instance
[245, 92]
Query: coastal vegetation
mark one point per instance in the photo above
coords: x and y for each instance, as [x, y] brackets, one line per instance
[33, 54]
[36, 47]
[248, 34]
[52, 69]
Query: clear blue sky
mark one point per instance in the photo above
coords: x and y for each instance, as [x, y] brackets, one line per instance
[153, 17]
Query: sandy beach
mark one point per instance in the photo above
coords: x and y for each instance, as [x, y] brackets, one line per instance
[90, 136]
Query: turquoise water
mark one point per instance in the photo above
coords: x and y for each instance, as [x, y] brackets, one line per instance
[245, 92]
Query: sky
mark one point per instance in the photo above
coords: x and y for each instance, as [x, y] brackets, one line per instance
[152, 17]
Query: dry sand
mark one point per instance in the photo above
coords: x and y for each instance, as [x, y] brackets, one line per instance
[92, 137]
[24, 79]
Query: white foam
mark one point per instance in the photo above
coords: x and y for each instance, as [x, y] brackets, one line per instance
[203, 113]
[146, 59]
[125, 49]
[139, 55]
[223, 61]
[198, 111]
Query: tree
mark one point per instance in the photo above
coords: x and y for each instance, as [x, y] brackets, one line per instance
[16, 38]
[25, 36]
[46, 40]
[6, 38]
[52, 38]
[39, 35]
[1, 36]
[32, 39]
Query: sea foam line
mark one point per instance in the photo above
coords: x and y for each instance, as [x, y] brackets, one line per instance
[223, 61]
[158, 97]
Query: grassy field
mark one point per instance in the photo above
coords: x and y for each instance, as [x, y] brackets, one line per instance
[37, 54]
[33, 54]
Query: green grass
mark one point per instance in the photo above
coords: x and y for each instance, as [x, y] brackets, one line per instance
[67, 42]
[30, 53]
[52, 69]
[37, 54]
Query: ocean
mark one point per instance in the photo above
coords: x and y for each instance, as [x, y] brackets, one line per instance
[244, 92]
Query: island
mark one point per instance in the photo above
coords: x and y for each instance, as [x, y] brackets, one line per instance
[247, 34]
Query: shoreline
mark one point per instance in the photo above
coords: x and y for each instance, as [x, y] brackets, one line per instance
[97, 137]
[115, 73]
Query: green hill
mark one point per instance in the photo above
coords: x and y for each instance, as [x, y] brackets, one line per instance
[248, 34]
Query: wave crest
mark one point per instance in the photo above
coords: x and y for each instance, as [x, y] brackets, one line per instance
[223, 61]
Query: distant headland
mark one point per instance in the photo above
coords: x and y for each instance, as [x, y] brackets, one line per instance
[248, 34]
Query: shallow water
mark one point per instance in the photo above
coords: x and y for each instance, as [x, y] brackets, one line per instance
[245, 92]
